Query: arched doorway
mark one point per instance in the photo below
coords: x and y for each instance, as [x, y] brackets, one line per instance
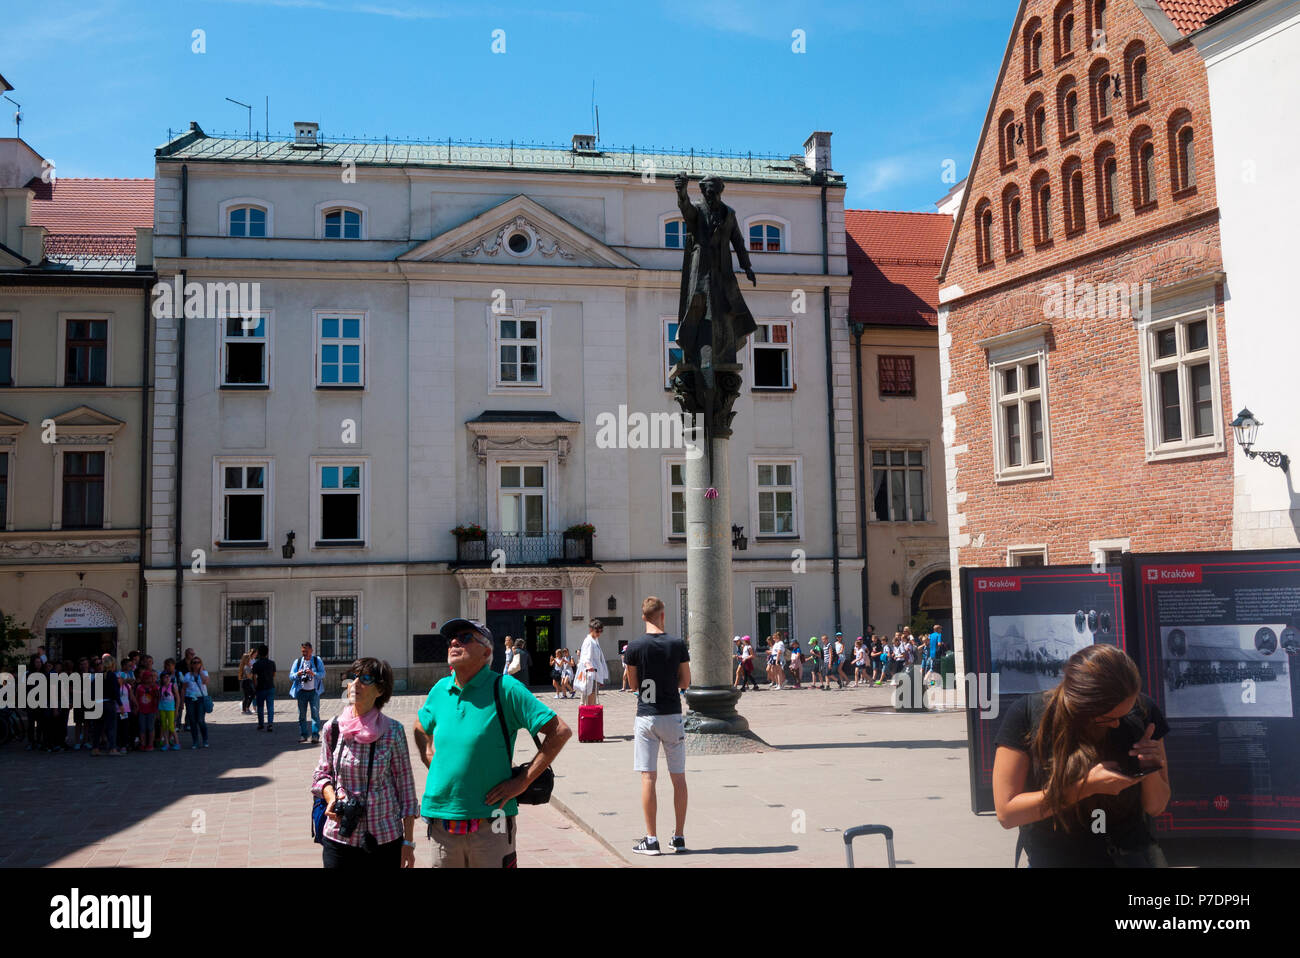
[933, 596]
[79, 623]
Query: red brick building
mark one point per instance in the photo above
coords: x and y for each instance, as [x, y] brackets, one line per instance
[1084, 361]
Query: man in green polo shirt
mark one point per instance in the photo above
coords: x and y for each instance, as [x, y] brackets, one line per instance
[469, 794]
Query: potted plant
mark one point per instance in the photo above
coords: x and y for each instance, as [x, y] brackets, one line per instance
[471, 543]
[577, 541]
[470, 531]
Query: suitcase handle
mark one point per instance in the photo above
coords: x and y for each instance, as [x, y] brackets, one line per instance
[857, 831]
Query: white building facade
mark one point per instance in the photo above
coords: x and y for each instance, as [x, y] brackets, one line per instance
[438, 335]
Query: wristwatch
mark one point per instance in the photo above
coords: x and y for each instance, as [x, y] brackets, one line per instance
[405, 842]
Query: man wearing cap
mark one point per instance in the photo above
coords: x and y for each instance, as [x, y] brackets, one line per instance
[469, 794]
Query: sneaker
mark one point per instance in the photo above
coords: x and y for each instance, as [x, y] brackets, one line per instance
[678, 844]
[270, 727]
[315, 740]
[647, 846]
[205, 744]
[176, 747]
[193, 747]
[303, 741]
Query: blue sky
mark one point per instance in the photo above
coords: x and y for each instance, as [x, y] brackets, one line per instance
[903, 85]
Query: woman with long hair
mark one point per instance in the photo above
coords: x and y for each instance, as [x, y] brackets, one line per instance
[1081, 767]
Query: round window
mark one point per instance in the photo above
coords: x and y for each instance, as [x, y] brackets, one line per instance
[518, 243]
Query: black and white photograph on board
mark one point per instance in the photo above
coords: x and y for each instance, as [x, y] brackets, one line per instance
[1029, 651]
[1226, 671]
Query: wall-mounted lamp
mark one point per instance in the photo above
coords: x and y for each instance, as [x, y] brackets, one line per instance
[287, 549]
[893, 588]
[612, 604]
[1246, 428]
[738, 540]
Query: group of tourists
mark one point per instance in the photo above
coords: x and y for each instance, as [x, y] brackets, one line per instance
[873, 661]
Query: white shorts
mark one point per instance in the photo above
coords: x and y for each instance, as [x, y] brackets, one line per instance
[649, 731]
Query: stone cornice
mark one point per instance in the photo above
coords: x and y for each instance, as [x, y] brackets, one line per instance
[68, 544]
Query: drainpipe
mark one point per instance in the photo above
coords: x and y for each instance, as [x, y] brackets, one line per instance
[858, 330]
[819, 179]
[180, 414]
[142, 601]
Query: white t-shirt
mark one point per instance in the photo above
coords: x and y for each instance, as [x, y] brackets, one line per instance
[779, 650]
[306, 682]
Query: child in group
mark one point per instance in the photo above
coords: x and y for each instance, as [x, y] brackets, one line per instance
[146, 707]
[167, 711]
[566, 674]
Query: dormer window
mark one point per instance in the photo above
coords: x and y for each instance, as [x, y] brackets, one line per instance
[342, 223]
[247, 221]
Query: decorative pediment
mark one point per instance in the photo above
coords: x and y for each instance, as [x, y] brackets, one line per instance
[85, 425]
[518, 231]
[9, 429]
[495, 430]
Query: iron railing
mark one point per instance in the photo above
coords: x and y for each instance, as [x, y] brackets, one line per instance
[91, 250]
[518, 548]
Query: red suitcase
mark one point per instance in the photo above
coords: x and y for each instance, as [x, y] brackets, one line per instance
[591, 723]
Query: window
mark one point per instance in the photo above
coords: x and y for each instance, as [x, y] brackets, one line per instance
[897, 375]
[338, 624]
[765, 238]
[1182, 385]
[1103, 90]
[1011, 223]
[247, 625]
[1135, 66]
[1020, 414]
[898, 485]
[244, 512]
[1063, 29]
[6, 352]
[1007, 129]
[522, 499]
[83, 490]
[772, 346]
[1042, 198]
[4, 490]
[341, 491]
[772, 613]
[1036, 117]
[342, 223]
[1026, 556]
[519, 347]
[244, 353]
[672, 352]
[1033, 48]
[1182, 150]
[676, 488]
[1067, 108]
[775, 485]
[1144, 168]
[340, 350]
[1072, 187]
[1099, 23]
[1109, 552]
[247, 221]
[1107, 170]
[86, 352]
[984, 233]
[675, 234]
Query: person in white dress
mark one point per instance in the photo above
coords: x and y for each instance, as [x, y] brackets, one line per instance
[592, 670]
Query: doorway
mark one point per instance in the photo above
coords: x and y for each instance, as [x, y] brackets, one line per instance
[541, 634]
[933, 596]
[76, 644]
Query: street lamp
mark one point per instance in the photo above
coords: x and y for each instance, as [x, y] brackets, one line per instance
[1246, 428]
[287, 549]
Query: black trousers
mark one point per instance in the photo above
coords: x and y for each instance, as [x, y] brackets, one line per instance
[337, 855]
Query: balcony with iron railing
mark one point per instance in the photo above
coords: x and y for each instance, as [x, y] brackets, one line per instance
[525, 549]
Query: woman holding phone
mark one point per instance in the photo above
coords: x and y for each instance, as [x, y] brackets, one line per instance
[1081, 768]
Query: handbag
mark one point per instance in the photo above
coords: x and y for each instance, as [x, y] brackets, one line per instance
[539, 790]
[208, 706]
[319, 806]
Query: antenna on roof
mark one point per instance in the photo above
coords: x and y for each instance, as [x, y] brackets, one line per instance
[18, 117]
[595, 111]
[250, 115]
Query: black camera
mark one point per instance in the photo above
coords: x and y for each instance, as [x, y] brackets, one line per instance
[350, 811]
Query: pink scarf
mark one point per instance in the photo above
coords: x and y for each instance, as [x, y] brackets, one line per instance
[362, 728]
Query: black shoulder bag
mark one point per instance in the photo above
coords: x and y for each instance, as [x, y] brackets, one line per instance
[539, 790]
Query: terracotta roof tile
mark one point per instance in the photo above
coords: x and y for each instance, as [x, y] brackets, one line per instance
[895, 260]
[92, 205]
[1190, 15]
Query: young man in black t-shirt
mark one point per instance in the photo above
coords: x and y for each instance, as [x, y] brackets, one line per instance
[264, 684]
[658, 665]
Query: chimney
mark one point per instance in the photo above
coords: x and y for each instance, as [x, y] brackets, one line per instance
[33, 244]
[304, 135]
[817, 152]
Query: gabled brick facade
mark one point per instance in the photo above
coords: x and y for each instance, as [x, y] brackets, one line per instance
[1131, 200]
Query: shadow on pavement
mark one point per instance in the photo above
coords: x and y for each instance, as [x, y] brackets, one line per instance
[741, 850]
[906, 743]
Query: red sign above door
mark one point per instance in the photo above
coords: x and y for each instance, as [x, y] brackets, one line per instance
[525, 599]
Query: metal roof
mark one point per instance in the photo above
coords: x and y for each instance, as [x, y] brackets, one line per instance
[195, 145]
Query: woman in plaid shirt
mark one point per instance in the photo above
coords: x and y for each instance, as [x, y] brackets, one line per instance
[382, 836]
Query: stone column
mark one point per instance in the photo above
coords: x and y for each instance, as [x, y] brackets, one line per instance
[711, 697]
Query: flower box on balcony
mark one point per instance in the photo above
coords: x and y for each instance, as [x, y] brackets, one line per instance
[577, 545]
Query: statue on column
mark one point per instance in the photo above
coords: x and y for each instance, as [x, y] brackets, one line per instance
[713, 321]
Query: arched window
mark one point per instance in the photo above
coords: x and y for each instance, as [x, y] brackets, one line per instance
[1036, 123]
[1067, 108]
[342, 223]
[675, 234]
[1007, 137]
[1102, 90]
[1143, 152]
[1135, 71]
[1063, 23]
[1033, 48]
[984, 233]
[1182, 151]
[1011, 221]
[246, 221]
[1097, 25]
[1107, 170]
[765, 238]
[1041, 191]
[1072, 190]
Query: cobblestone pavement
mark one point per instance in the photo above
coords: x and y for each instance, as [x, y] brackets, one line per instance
[243, 802]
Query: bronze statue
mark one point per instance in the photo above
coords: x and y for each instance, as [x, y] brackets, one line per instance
[713, 320]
